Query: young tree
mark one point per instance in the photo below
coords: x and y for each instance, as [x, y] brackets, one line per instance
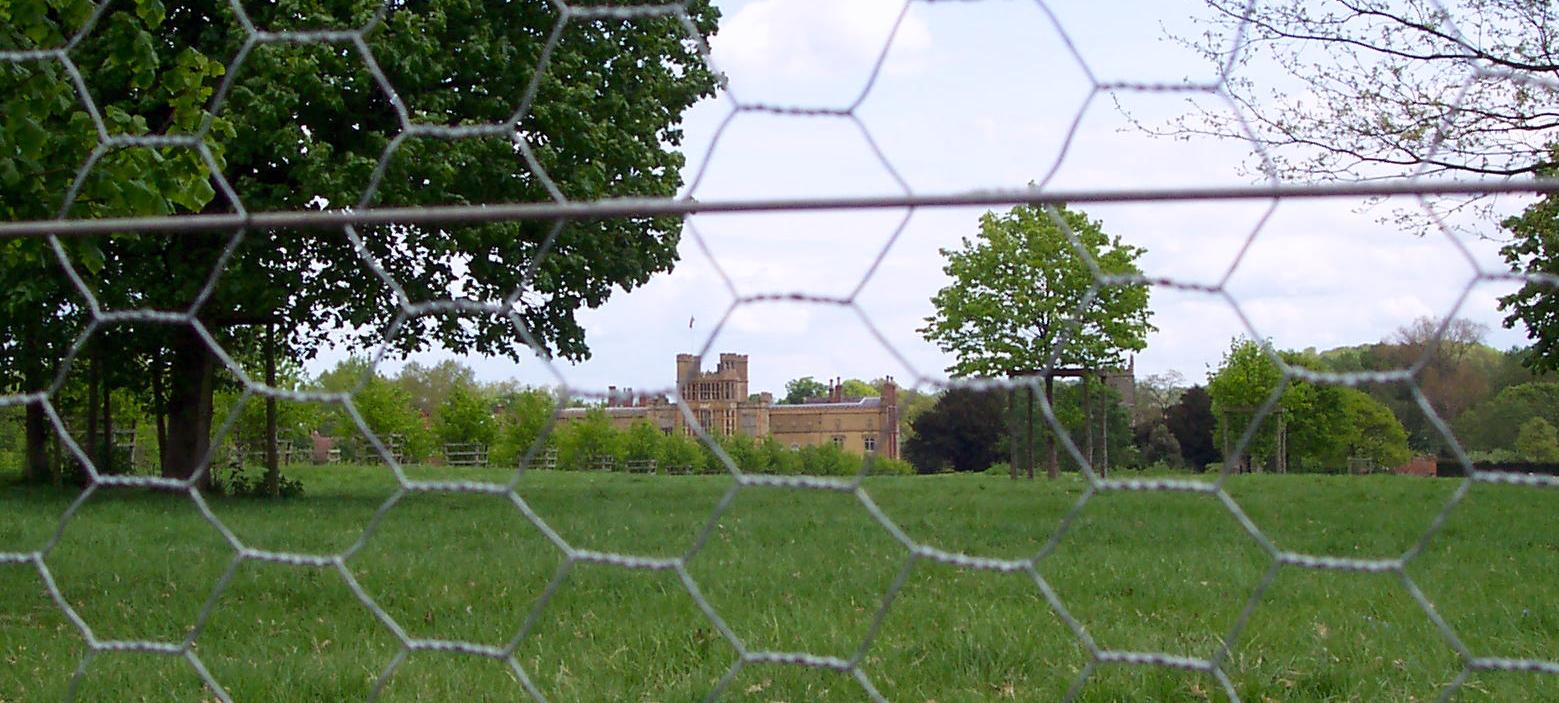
[682, 453]
[1538, 441]
[1241, 385]
[525, 415]
[1019, 289]
[464, 416]
[777, 458]
[307, 125]
[585, 442]
[641, 442]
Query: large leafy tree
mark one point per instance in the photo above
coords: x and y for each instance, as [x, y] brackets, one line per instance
[1019, 298]
[305, 126]
[1018, 289]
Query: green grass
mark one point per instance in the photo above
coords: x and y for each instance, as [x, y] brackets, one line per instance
[788, 570]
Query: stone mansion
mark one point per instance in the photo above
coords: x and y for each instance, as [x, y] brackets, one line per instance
[723, 405]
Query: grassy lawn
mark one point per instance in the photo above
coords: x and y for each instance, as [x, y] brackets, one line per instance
[787, 570]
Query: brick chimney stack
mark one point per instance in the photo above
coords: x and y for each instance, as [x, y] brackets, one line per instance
[890, 409]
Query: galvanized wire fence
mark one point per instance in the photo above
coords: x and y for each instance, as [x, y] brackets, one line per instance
[559, 210]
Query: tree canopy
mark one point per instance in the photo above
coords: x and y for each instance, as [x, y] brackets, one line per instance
[1022, 281]
[306, 125]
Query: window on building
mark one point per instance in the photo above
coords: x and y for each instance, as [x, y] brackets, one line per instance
[871, 442]
[838, 441]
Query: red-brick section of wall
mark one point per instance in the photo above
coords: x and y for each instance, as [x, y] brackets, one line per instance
[1419, 466]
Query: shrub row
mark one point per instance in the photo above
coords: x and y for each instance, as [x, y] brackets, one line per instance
[592, 442]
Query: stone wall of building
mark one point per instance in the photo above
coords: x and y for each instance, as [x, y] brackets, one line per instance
[721, 402]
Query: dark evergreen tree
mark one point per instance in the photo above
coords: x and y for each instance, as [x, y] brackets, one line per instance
[1191, 422]
[963, 431]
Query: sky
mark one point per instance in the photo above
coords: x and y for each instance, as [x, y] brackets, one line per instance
[973, 96]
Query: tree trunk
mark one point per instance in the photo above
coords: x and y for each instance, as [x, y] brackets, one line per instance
[92, 445]
[1088, 422]
[106, 464]
[37, 430]
[1104, 443]
[189, 414]
[1054, 470]
[1012, 432]
[160, 409]
[1028, 431]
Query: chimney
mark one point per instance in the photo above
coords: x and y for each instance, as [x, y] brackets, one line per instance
[890, 419]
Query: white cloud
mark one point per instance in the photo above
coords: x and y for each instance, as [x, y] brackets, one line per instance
[811, 52]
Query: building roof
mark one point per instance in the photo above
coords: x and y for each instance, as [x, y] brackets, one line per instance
[867, 402]
[621, 411]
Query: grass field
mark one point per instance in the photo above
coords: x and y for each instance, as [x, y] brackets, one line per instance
[788, 570]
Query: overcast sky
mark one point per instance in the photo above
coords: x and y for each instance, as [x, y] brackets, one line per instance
[980, 95]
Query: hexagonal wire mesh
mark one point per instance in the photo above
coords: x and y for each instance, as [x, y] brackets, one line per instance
[563, 210]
